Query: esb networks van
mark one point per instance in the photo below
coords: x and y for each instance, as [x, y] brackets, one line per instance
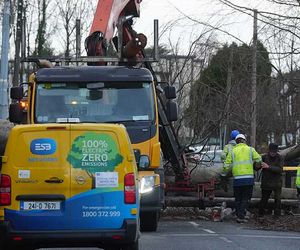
[69, 184]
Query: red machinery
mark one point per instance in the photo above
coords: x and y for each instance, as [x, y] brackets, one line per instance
[112, 15]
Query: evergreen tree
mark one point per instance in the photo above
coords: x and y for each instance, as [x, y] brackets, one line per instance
[209, 96]
[43, 47]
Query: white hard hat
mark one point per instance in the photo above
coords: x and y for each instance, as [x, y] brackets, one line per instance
[240, 136]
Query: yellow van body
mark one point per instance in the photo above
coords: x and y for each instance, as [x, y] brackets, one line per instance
[69, 184]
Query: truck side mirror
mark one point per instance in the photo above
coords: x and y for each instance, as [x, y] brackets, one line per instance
[16, 93]
[15, 113]
[172, 110]
[170, 92]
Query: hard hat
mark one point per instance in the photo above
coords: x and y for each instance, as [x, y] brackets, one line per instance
[233, 134]
[240, 136]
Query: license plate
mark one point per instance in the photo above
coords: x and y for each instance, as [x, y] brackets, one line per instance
[40, 205]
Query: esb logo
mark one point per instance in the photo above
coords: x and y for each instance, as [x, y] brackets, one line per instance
[43, 146]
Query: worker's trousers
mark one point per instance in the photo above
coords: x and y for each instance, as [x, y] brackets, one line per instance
[265, 195]
[242, 195]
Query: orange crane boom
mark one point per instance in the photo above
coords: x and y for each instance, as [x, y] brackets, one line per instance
[109, 16]
[108, 13]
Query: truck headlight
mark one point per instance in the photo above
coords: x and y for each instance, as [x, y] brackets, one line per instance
[147, 184]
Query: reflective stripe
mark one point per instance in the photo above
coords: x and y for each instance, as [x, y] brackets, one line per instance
[251, 156]
[243, 176]
[242, 162]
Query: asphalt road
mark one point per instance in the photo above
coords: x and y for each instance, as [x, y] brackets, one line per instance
[195, 235]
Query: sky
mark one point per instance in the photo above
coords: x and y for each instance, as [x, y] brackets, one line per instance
[211, 11]
[183, 30]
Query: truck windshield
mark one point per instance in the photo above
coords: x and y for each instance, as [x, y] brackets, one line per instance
[94, 102]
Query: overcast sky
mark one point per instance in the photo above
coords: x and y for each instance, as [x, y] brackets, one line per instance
[211, 11]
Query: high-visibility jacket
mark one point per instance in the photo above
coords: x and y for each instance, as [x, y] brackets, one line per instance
[240, 161]
[227, 149]
[298, 178]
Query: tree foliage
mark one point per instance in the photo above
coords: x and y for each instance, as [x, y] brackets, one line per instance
[43, 47]
[210, 95]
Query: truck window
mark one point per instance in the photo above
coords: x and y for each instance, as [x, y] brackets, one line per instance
[114, 102]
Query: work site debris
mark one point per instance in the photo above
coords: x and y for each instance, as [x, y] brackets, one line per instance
[186, 213]
[208, 213]
[286, 222]
[282, 223]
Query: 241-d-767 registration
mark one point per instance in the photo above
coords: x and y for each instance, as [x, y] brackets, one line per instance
[40, 205]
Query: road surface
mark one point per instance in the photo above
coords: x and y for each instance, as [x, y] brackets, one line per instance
[195, 235]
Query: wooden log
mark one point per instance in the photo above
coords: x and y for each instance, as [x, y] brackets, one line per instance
[291, 152]
[188, 201]
[287, 193]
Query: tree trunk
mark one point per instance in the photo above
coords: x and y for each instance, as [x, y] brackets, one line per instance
[291, 152]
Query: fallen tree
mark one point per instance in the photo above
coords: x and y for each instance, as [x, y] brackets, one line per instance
[291, 153]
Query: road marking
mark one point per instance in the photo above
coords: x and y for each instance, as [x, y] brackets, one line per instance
[234, 235]
[208, 231]
[204, 229]
[225, 239]
[194, 224]
[190, 235]
[267, 236]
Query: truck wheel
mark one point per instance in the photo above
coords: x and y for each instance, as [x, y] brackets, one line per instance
[132, 246]
[149, 221]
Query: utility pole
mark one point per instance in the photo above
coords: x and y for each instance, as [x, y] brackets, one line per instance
[4, 61]
[192, 83]
[253, 82]
[23, 76]
[16, 78]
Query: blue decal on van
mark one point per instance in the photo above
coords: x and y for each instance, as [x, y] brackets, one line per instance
[90, 210]
[43, 146]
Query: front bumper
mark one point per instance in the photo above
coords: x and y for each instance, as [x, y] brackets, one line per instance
[127, 234]
[151, 201]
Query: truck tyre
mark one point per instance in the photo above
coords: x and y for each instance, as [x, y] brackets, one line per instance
[149, 221]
